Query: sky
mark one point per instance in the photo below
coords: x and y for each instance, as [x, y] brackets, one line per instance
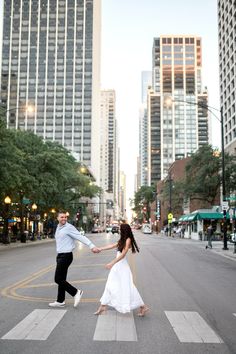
[128, 29]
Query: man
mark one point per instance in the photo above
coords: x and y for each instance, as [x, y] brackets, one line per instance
[66, 235]
[210, 232]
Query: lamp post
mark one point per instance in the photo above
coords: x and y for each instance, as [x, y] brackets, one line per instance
[27, 109]
[170, 201]
[221, 120]
[34, 208]
[7, 202]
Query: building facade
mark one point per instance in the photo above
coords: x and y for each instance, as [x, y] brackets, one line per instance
[109, 167]
[227, 62]
[51, 63]
[146, 81]
[178, 124]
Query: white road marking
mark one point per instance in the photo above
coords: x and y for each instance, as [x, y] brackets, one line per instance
[234, 314]
[36, 326]
[190, 327]
[114, 326]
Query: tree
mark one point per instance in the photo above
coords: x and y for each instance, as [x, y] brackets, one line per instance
[44, 172]
[142, 201]
[203, 175]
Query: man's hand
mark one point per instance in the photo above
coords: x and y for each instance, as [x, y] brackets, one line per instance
[95, 250]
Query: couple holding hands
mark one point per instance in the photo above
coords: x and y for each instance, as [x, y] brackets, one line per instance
[120, 291]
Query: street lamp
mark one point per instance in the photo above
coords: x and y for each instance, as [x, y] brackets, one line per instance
[7, 202]
[211, 110]
[26, 109]
[34, 208]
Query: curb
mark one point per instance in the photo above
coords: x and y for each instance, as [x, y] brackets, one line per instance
[27, 244]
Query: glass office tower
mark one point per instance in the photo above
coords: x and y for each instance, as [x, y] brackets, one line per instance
[50, 62]
[178, 126]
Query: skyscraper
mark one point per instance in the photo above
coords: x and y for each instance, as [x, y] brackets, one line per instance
[176, 128]
[50, 61]
[109, 157]
[146, 81]
[227, 50]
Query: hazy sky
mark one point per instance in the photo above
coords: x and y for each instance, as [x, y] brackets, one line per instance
[128, 29]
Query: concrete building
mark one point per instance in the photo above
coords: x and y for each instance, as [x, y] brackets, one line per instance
[176, 128]
[51, 62]
[109, 168]
[227, 62]
[146, 80]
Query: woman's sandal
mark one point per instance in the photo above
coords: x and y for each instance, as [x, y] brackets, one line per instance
[100, 310]
[143, 311]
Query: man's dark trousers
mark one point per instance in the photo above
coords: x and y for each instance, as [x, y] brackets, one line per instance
[64, 260]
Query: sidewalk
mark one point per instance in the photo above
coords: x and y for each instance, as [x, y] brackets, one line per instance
[217, 246]
[28, 243]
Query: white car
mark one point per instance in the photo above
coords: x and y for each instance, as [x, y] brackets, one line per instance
[147, 228]
[233, 237]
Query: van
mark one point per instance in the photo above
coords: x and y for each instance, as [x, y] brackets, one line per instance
[147, 228]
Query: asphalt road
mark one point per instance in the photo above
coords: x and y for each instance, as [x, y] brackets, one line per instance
[191, 293]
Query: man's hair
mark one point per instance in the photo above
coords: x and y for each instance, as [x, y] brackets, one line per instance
[61, 212]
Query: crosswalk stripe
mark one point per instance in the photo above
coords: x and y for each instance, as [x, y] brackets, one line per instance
[190, 327]
[114, 326]
[37, 325]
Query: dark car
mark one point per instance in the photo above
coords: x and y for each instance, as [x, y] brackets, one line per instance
[115, 229]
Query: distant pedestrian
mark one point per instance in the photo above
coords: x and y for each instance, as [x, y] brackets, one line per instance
[66, 235]
[210, 233]
[182, 231]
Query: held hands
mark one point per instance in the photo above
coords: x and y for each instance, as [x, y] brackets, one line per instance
[96, 250]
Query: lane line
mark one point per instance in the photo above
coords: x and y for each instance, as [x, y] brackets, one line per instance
[36, 326]
[114, 326]
[190, 327]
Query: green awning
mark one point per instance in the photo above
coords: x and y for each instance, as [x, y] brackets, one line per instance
[213, 215]
[201, 216]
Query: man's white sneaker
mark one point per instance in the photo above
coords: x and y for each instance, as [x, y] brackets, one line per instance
[77, 297]
[57, 304]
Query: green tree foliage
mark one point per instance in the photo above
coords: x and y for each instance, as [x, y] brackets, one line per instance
[45, 172]
[143, 199]
[203, 174]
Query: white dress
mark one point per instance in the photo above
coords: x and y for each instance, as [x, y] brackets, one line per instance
[120, 291]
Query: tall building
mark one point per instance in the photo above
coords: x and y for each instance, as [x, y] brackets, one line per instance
[146, 81]
[176, 128]
[109, 167]
[51, 62]
[227, 62]
[122, 195]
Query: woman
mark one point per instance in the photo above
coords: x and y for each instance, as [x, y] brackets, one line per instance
[120, 291]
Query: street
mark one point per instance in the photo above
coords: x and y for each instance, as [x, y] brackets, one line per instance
[190, 291]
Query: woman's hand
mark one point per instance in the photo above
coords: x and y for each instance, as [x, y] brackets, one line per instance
[109, 265]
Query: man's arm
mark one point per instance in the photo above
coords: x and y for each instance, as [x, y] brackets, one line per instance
[74, 233]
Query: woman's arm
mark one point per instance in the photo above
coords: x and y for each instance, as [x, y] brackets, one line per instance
[121, 256]
[108, 247]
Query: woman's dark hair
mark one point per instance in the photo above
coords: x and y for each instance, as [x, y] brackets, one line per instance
[126, 232]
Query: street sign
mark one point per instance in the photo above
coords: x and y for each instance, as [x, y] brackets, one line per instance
[170, 217]
[225, 205]
[230, 198]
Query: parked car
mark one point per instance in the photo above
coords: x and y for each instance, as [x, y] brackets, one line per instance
[147, 228]
[95, 229]
[115, 229]
[233, 237]
[108, 228]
